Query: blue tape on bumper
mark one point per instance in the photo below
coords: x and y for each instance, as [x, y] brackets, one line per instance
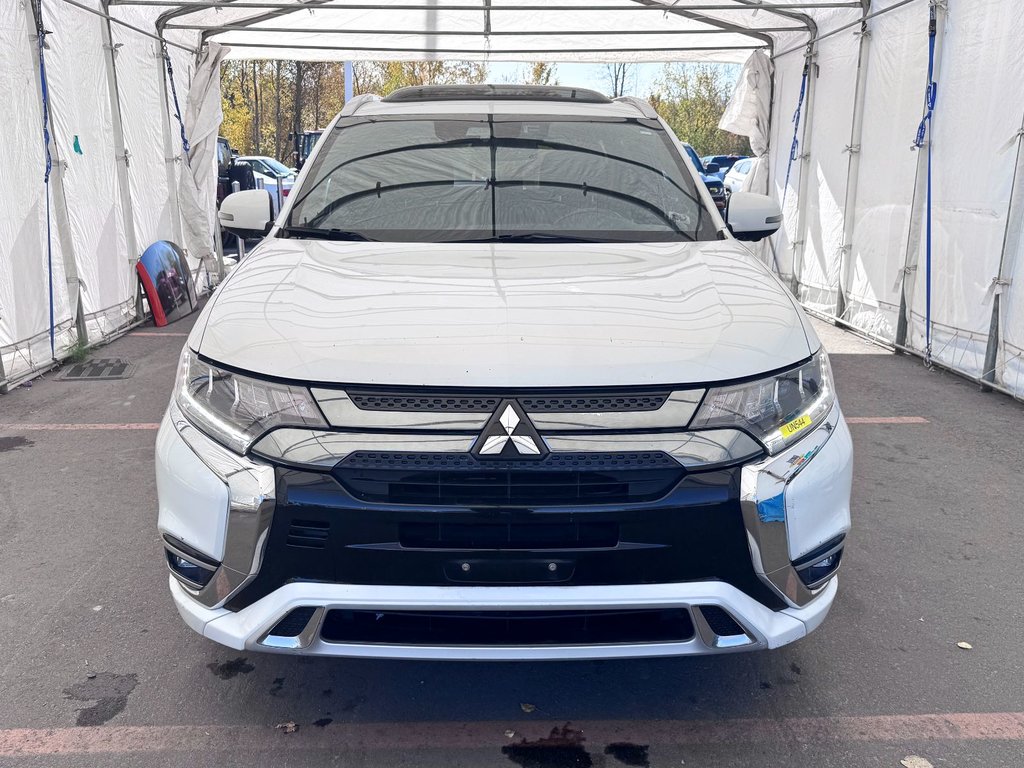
[772, 510]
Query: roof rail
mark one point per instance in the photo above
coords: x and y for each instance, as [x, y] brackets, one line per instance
[497, 93]
[353, 105]
[644, 106]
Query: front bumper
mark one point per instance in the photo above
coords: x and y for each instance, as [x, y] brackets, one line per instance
[248, 629]
[791, 504]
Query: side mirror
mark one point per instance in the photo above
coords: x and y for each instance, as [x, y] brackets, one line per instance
[712, 167]
[247, 214]
[753, 217]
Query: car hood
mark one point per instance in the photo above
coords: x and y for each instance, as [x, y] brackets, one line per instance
[507, 315]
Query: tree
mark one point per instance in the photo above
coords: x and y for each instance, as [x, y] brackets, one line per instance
[542, 73]
[619, 74]
[383, 77]
[303, 96]
[692, 99]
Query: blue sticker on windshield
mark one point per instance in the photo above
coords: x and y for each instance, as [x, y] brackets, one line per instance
[772, 510]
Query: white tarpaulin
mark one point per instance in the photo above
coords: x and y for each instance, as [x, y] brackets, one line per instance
[197, 176]
[854, 188]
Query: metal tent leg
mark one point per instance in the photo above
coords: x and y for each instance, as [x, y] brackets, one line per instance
[853, 172]
[1012, 238]
[917, 206]
[122, 158]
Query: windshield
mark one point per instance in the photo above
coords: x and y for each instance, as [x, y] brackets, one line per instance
[498, 178]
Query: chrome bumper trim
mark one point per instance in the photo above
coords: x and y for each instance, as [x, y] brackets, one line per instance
[762, 500]
[340, 411]
[251, 491]
[323, 450]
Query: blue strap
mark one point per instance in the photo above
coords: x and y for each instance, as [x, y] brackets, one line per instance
[795, 146]
[925, 130]
[45, 94]
[185, 146]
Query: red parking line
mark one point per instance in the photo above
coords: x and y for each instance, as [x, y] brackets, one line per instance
[79, 427]
[967, 726]
[886, 420]
[158, 333]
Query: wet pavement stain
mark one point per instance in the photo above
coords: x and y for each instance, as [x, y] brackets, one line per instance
[277, 686]
[354, 703]
[230, 669]
[109, 692]
[323, 722]
[629, 754]
[795, 668]
[562, 748]
[14, 443]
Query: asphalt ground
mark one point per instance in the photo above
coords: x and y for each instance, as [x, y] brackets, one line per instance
[97, 669]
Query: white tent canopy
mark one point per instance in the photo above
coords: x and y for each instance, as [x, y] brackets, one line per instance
[859, 198]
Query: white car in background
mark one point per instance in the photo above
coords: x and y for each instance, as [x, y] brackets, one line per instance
[269, 173]
[501, 383]
[737, 175]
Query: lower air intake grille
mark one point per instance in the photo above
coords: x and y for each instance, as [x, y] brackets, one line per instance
[311, 534]
[293, 624]
[508, 628]
[459, 479]
[721, 623]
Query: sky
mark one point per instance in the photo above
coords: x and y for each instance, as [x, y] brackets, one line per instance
[582, 75]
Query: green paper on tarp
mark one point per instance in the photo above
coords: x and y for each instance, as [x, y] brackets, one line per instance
[77, 146]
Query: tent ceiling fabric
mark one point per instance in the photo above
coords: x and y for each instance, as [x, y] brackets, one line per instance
[512, 30]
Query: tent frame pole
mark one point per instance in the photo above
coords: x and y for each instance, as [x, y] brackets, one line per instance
[767, 7]
[121, 158]
[105, 13]
[59, 210]
[172, 152]
[908, 277]
[804, 158]
[853, 168]
[1013, 234]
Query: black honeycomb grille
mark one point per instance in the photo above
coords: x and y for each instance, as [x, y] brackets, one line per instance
[604, 402]
[459, 479]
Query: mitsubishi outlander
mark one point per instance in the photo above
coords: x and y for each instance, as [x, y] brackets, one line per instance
[500, 382]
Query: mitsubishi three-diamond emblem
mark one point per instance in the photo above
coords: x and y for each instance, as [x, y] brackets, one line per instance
[509, 434]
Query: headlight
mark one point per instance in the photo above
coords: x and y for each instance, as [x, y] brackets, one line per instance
[236, 410]
[777, 410]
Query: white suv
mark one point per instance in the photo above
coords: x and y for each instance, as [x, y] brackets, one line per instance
[500, 383]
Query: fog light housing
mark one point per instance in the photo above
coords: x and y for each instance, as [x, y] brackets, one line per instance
[820, 565]
[188, 566]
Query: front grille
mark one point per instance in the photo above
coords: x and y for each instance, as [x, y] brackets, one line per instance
[693, 533]
[602, 402]
[459, 479]
[497, 536]
[508, 628]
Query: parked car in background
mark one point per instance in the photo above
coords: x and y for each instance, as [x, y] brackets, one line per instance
[228, 171]
[737, 175]
[724, 163]
[269, 173]
[502, 385]
[709, 175]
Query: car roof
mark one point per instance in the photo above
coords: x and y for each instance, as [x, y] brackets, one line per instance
[501, 100]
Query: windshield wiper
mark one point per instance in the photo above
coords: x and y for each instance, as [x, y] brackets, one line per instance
[318, 233]
[539, 237]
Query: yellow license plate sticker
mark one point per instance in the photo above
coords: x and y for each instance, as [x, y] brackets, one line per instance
[796, 425]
